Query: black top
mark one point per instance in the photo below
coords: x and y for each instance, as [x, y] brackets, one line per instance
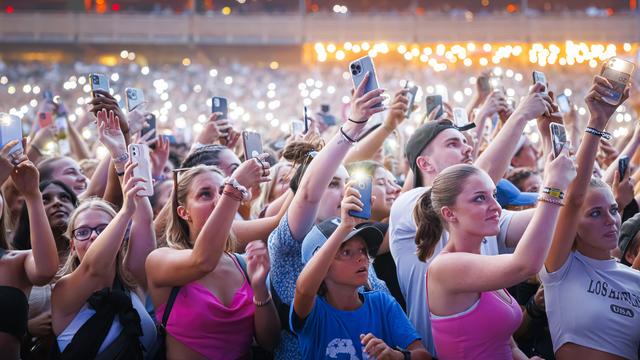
[14, 311]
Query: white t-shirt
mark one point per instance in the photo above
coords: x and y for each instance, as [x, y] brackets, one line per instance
[411, 271]
[594, 303]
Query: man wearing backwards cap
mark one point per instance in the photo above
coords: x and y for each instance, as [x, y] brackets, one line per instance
[432, 148]
[629, 241]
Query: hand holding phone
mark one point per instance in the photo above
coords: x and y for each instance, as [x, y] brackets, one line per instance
[618, 72]
[435, 102]
[411, 95]
[219, 104]
[134, 98]
[359, 69]
[11, 129]
[363, 186]
[623, 165]
[539, 77]
[563, 103]
[139, 153]
[98, 82]
[558, 138]
[252, 143]
[45, 119]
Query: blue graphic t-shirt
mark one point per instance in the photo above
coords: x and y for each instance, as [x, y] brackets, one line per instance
[329, 333]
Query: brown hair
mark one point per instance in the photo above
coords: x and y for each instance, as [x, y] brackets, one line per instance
[444, 192]
[519, 175]
[300, 154]
[178, 229]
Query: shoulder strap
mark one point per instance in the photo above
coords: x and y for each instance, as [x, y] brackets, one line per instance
[243, 265]
[167, 309]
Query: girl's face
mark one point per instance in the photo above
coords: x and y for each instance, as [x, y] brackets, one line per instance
[476, 210]
[386, 190]
[68, 171]
[57, 205]
[351, 265]
[532, 183]
[281, 182]
[228, 162]
[201, 200]
[330, 204]
[86, 228]
[599, 222]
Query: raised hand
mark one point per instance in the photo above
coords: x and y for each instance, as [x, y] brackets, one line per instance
[397, 110]
[137, 121]
[6, 164]
[363, 106]
[535, 104]
[26, 179]
[110, 134]
[495, 103]
[623, 190]
[560, 171]
[351, 202]
[159, 156]
[131, 187]
[253, 171]
[258, 265]
[107, 102]
[214, 129]
[600, 110]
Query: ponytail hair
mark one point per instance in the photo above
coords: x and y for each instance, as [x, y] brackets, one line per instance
[300, 153]
[444, 192]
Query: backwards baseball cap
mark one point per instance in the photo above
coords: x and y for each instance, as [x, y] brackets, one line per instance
[369, 232]
[422, 137]
[628, 232]
[509, 194]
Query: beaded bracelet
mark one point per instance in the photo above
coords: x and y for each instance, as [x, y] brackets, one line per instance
[596, 132]
[551, 201]
[233, 193]
[263, 302]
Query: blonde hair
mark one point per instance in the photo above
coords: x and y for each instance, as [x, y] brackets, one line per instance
[266, 188]
[73, 260]
[178, 229]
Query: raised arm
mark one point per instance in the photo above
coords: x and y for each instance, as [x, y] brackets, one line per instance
[629, 150]
[496, 158]
[304, 207]
[142, 240]
[41, 264]
[247, 231]
[600, 112]
[170, 267]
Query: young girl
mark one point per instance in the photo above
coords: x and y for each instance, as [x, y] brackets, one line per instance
[20, 270]
[329, 314]
[462, 200]
[219, 309]
[592, 301]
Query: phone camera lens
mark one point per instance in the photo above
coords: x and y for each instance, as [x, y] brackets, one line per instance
[95, 79]
[359, 68]
[354, 72]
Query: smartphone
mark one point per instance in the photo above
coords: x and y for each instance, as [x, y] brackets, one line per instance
[623, 165]
[483, 83]
[219, 104]
[364, 187]
[252, 143]
[61, 110]
[618, 72]
[47, 95]
[563, 103]
[305, 118]
[325, 108]
[358, 69]
[11, 129]
[45, 119]
[98, 82]
[460, 118]
[297, 127]
[139, 153]
[411, 94]
[495, 83]
[434, 101]
[134, 98]
[558, 138]
[539, 77]
[151, 121]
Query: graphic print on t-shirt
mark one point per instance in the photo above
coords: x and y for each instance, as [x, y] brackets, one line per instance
[604, 289]
[341, 346]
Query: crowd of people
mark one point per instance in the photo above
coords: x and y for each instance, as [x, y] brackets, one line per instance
[478, 243]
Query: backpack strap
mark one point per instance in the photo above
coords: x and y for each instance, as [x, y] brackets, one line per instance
[167, 309]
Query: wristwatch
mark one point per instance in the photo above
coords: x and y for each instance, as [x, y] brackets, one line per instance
[406, 353]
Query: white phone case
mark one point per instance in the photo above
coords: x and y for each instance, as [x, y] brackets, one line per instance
[139, 153]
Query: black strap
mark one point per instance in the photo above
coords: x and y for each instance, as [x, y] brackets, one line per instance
[282, 308]
[167, 309]
[243, 266]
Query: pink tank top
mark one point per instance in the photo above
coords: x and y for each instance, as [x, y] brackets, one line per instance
[481, 332]
[202, 323]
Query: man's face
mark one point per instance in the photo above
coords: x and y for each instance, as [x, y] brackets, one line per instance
[448, 148]
[527, 156]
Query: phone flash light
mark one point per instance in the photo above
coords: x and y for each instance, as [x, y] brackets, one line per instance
[6, 120]
[358, 175]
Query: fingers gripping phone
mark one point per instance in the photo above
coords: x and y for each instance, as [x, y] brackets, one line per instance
[558, 138]
[98, 82]
[134, 98]
[618, 72]
[364, 187]
[252, 144]
[433, 102]
[11, 129]
[623, 165]
[539, 77]
[139, 153]
[359, 69]
[219, 104]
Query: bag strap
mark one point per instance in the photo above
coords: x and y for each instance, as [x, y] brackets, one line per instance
[167, 309]
[243, 265]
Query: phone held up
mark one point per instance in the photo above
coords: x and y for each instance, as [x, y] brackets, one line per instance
[139, 153]
[623, 165]
[98, 82]
[358, 69]
[618, 72]
[363, 185]
[252, 143]
[435, 102]
[134, 98]
[11, 129]
[558, 138]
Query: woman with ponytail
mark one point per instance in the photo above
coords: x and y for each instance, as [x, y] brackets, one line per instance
[465, 290]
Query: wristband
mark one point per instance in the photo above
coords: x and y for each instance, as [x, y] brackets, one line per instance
[357, 122]
[346, 137]
[236, 185]
[551, 201]
[556, 193]
[119, 173]
[596, 132]
[36, 148]
[263, 302]
[122, 158]
[406, 353]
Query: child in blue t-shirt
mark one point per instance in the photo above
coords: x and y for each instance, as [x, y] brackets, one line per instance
[343, 323]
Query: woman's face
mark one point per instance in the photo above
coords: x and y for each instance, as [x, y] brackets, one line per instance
[351, 264]
[68, 171]
[57, 205]
[330, 205]
[90, 221]
[599, 221]
[532, 183]
[202, 199]
[476, 210]
[386, 190]
[281, 182]
[228, 162]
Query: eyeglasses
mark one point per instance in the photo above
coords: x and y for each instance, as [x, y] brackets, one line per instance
[83, 233]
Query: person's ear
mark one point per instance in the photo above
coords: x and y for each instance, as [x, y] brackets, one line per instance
[448, 215]
[183, 213]
[426, 164]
